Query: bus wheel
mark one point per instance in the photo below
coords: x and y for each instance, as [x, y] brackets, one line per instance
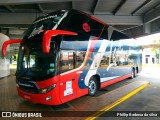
[135, 73]
[92, 86]
[132, 73]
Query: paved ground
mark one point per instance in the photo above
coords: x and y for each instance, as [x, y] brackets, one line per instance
[146, 100]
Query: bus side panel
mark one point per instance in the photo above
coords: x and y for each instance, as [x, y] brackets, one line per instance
[41, 98]
[113, 81]
[82, 72]
[55, 92]
[118, 60]
[81, 77]
[89, 68]
[68, 87]
[82, 88]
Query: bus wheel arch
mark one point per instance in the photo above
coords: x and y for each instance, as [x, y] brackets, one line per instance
[93, 85]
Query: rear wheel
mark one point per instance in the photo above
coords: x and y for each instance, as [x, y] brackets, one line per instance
[92, 86]
[132, 73]
[135, 73]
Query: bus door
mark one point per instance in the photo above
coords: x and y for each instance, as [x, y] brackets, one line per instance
[68, 76]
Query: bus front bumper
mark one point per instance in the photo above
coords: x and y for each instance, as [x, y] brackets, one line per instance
[50, 98]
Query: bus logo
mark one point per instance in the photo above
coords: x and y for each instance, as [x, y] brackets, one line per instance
[86, 27]
[26, 85]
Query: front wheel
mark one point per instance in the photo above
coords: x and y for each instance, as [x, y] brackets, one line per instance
[92, 86]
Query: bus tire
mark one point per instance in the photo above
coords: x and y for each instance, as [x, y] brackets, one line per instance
[132, 73]
[92, 86]
[135, 73]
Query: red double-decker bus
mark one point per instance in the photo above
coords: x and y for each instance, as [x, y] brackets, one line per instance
[67, 54]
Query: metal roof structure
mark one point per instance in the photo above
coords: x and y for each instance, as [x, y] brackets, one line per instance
[134, 17]
[123, 14]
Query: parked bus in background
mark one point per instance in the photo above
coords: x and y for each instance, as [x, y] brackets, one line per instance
[67, 54]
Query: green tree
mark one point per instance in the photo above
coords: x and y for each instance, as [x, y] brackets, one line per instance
[132, 57]
[155, 50]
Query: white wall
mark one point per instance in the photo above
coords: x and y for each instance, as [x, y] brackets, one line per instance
[149, 55]
[4, 63]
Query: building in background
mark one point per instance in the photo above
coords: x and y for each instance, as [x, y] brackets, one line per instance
[151, 48]
[149, 56]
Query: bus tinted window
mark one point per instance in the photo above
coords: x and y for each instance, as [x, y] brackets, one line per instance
[104, 34]
[71, 43]
[41, 66]
[96, 28]
[67, 61]
[118, 35]
[44, 23]
[75, 23]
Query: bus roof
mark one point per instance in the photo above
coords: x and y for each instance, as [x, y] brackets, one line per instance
[75, 12]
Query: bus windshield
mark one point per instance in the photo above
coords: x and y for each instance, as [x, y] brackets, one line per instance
[34, 64]
[44, 23]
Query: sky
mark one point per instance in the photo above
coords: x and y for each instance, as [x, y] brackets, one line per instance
[148, 39]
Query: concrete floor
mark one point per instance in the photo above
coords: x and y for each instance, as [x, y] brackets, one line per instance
[146, 100]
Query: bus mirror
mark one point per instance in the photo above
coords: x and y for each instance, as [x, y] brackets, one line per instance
[49, 34]
[6, 43]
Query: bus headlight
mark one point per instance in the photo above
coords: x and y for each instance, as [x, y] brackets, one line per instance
[45, 90]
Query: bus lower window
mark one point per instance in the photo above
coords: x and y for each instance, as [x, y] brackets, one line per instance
[80, 55]
[67, 61]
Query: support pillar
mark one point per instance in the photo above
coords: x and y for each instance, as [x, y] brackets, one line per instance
[147, 28]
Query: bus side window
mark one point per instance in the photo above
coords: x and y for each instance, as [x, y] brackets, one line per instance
[105, 60]
[67, 61]
[80, 55]
[119, 55]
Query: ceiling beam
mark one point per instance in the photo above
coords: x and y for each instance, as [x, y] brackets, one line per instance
[130, 28]
[3, 2]
[119, 7]
[28, 18]
[22, 26]
[18, 18]
[141, 6]
[72, 5]
[94, 6]
[120, 20]
[151, 16]
[40, 8]
[152, 9]
[8, 8]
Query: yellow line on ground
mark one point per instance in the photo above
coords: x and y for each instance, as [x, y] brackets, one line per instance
[116, 89]
[122, 99]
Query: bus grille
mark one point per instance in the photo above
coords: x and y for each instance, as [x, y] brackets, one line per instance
[28, 86]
